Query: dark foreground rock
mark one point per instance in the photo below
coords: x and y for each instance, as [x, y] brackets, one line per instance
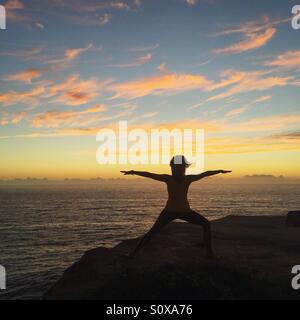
[255, 257]
[293, 219]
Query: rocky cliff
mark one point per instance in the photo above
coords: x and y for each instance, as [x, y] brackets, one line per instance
[254, 260]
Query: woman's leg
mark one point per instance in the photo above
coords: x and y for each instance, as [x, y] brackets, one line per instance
[196, 218]
[164, 218]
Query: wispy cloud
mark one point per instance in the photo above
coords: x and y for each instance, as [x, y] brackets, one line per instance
[162, 84]
[14, 5]
[136, 63]
[90, 6]
[71, 92]
[24, 97]
[232, 82]
[16, 13]
[249, 81]
[78, 121]
[289, 60]
[54, 119]
[294, 135]
[236, 112]
[75, 92]
[11, 118]
[25, 76]
[252, 41]
[195, 106]
[72, 54]
[92, 12]
[23, 54]
[262, 99]
[93, 20]
[226, 143]
[143, 49]
[255, 35]
[191, 2]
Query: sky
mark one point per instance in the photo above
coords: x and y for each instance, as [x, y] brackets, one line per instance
[72, 67]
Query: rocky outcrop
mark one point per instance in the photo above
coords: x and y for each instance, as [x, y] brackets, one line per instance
[255, 257]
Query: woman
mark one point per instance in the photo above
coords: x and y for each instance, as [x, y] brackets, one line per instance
[177, 206]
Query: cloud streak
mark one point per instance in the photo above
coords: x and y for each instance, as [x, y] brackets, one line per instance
[289, 60]
[255, 34]
[25, 76]
[54, 119]
[252, 41]
[137, 63]
[157, 85]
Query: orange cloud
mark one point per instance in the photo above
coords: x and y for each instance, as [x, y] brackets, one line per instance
[28, 97]
[75, 92]
[72, 92]
[53, 119]
[253, 41]
[25, 76]
[14, 118]
[191, 2]
[289, 59]
[87, 117]
[72, 54]
[157, 85]
[248, 82]
[14, 5]
[69, 56]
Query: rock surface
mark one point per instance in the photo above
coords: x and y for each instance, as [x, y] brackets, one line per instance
[254, 260]
[293, 219]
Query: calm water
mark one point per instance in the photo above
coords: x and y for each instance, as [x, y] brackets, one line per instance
[43, 229]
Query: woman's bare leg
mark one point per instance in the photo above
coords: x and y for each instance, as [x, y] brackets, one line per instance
[163, 219]
[196, 218]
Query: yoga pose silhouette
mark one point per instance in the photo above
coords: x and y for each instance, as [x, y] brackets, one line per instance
[177, 206]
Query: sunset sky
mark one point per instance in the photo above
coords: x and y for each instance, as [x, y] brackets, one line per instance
[72, 67]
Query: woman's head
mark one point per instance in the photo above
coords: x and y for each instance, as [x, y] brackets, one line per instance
[178, 165]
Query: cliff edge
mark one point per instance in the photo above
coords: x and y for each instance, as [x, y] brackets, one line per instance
[255, 256]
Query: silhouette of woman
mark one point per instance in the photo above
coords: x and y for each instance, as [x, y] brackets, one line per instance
[177, 206]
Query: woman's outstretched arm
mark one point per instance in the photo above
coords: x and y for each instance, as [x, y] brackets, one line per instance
[154, 176]
[196, 177]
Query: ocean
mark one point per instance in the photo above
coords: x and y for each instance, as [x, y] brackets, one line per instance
[44, 228]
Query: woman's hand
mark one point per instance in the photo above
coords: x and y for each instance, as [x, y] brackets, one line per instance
[225, 171]
[131, 172]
